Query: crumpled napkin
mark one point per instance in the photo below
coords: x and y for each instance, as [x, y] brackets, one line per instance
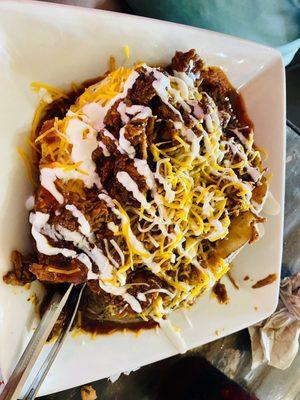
[276, 339]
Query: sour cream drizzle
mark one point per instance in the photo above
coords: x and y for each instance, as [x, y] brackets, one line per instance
[173, 334]
[135, 111]
[84, 225]
[96, 113]
[38, 220]
[125, 179]
[124, 146]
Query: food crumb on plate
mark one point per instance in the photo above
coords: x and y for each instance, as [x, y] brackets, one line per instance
[232, 280]
[220, 292]
[33, 299]
[88, 393]
[265, 281]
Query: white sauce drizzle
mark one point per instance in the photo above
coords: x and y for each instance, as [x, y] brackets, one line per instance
[29, 203]
[106, 153]
[124, 145]
[170, 194]
[112, 226]
[38, 220]
[235, 148]
[82, 150]
[125, 179]
[135, 243]
[110, 257]
[208, 122]
[119, 251]
[141, 296]
[181, 94]
[240, 136]
[39, 223]
[195, 142]
[207, 209]
[173, 334]
[121, 291]
[137, 111]
[51, 232]
[188, 79]
[253, 172]
[162, 85]
[132, 301]
[84, 225]
[108, 200]
[110, 136]
[48, 177]
[87, 262]
[143, 169]
[197, 110]
[96, 113]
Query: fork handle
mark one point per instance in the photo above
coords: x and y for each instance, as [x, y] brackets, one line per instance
[42, 373]
[23, 368]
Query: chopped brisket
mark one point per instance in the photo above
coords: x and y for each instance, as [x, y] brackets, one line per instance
[113, 119]
[188, 62]
[142, 91]
[75, 272]
[135, 133]
[20, 275]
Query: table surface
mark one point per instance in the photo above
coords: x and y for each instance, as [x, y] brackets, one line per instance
[232, 353]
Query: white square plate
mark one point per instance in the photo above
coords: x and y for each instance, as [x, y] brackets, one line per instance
[59, 44]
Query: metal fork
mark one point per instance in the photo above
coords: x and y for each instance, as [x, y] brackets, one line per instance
[25, 364]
